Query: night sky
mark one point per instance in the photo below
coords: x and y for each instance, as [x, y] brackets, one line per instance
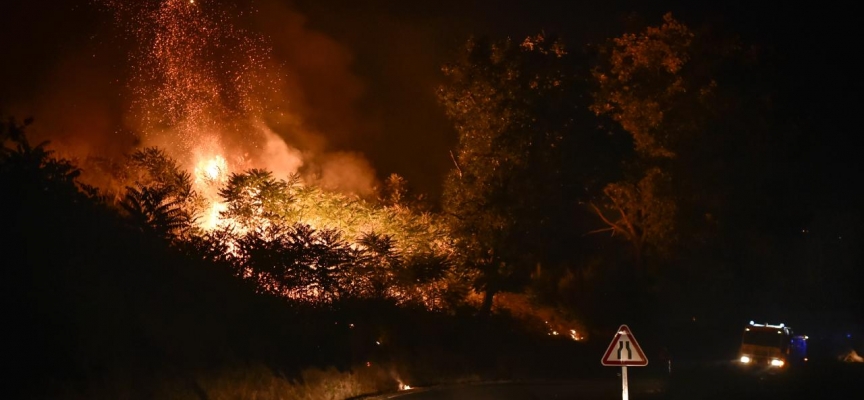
[368, 71]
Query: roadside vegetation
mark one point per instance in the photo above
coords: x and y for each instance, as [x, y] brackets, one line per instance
[626, 181]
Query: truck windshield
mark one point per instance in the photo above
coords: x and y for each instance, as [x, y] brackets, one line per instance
[763, 338]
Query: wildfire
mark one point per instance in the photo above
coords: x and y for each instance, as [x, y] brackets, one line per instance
[202, 89]
[207, 92]
[211, 169]
[196, 75]
[210, 173]
[213, 216]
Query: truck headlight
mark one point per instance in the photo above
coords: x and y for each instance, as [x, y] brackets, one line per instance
[745, 359]
[777, 363]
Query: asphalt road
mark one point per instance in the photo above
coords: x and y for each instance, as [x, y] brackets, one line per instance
[582, 390]
[817, 381]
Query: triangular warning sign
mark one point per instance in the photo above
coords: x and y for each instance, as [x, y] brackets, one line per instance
[624, 351]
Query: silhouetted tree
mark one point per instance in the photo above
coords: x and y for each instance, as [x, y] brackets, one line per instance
[381, 262]
[523, 160]
[254, 196]
[299, 262]
[643, 213]
[154, 210]
[658, 86]
[159, 197]
[27, 168]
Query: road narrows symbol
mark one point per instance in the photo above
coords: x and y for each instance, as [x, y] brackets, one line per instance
[627, 350]
[621, 346]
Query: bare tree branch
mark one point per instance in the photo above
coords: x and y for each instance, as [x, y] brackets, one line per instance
[612, 225]
[456, 163]
[631, 230]
[601, 231]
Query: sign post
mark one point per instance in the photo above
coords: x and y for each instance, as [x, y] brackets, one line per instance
[625, 391]
[624, 351]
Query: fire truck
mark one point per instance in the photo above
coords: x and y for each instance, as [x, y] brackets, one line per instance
[772, 346]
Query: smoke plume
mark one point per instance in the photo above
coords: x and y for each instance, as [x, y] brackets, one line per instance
[250, 83]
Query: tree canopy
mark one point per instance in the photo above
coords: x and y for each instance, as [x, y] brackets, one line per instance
[513, 106]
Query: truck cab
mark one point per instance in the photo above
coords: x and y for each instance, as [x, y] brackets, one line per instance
[771, 346]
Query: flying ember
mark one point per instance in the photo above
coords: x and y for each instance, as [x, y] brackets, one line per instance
[202, 89]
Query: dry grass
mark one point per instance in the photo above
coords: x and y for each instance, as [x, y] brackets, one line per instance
[248, 383]
[260, 383]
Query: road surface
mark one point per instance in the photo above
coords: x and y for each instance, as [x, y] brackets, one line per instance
[582, 390]
[815, 381]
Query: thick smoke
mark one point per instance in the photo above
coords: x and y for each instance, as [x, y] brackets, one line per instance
[317, 81]
[198, 78]
[346, 171]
